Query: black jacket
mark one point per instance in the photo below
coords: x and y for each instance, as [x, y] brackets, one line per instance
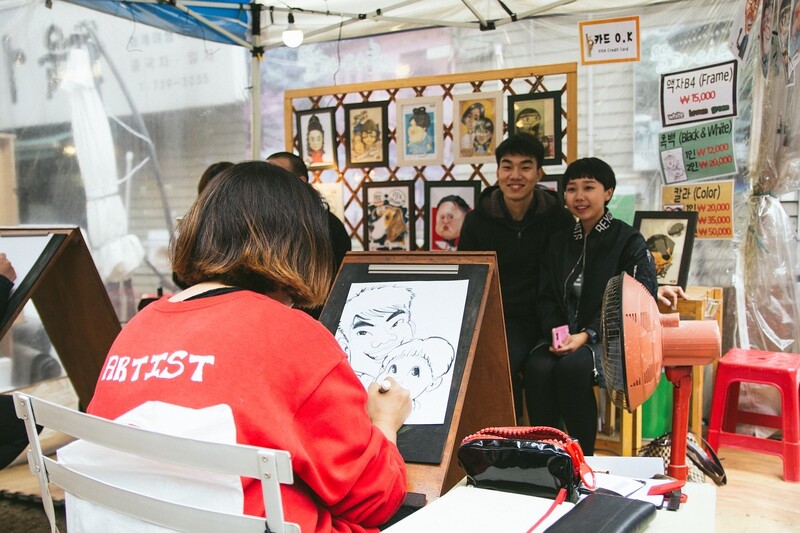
[611, 248]
[518, 245]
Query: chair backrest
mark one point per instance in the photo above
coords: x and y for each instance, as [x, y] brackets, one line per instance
[271, 467]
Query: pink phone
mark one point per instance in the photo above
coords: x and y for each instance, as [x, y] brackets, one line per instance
[559, 335]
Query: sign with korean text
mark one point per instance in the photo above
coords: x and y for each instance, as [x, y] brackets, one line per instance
[159, 70]
[609, 41]
[698, 152]
[699, 94]
[713, 201]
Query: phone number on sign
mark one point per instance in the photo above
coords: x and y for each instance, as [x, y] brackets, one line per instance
[194, 80]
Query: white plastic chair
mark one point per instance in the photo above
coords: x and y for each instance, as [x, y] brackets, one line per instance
[272, 467]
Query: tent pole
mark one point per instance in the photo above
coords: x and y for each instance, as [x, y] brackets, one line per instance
[255, 83]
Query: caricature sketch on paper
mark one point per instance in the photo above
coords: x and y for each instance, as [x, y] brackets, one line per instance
[380, 338]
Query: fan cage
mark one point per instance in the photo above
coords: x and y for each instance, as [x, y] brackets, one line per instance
[613, 338]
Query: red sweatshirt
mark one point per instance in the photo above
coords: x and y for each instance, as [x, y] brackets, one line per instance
[288, 385]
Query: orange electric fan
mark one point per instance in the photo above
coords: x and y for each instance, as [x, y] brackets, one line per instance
[638, 341]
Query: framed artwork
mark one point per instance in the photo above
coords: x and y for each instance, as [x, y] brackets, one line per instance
[446, 204]
[366, 135]
[419, 131]
[389, 215]
[477, 126]
[553, 183]
[670, 237]
[317, 131]
[540, 115]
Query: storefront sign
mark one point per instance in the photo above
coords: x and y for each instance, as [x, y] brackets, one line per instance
[699, 152]
[713, 201]
[699, 94]
[609, 41]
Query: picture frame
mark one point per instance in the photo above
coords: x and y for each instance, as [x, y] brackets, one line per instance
[670, 237]
[553, 182]
[524, 109]
[419, 143]
[460, 197]
[481, 111]
[315, 126]
[366, 134]
[389, 215]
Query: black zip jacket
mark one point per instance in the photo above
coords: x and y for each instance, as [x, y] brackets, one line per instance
[518, 244]
[612, 247]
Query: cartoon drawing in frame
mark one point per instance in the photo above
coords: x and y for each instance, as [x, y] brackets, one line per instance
[366, 135]
[388, 216]
[317, 133]
[447, 204]
[538, 114]
[419, 128]
[478, 126]
[669, 236]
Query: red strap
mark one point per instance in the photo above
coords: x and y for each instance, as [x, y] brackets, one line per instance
[560, 497]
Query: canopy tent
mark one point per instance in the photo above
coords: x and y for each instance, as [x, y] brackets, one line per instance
[258, 25]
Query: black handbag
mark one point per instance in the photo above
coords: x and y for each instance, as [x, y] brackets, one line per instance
[538, 461]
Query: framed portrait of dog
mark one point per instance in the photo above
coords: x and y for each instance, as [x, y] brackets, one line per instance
[389, 216]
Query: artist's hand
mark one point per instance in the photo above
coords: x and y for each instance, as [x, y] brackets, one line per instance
[571, 343]
[388, 409]
[668, 295]
[6, 268]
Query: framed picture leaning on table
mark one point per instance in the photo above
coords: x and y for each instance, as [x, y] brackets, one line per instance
[670, 238]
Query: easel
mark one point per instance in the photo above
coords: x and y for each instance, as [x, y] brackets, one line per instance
[71, 300]
[484, 396]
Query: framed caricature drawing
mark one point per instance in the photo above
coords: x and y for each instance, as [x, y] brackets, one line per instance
[419, 131]
[540, 115]
[317, 131]
[446, 205]
[669, 236]
[366, 134]
[389, 215]
[477, 126]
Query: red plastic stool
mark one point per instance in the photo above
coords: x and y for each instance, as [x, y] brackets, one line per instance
[769, 368]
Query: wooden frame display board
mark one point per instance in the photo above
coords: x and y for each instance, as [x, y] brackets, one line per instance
[375, 290]
[56, 271]
[557, 84]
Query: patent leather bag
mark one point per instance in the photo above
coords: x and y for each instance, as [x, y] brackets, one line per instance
[538, 461]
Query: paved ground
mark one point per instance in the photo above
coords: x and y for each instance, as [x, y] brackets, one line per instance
[17, 516]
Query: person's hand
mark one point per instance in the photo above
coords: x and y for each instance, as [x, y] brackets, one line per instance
[571, 343]
[669, 294]
[6, 268]
[388, 409]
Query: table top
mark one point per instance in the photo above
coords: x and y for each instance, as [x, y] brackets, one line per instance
[466, 509]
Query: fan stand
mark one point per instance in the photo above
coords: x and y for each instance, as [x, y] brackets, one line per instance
[681, 378]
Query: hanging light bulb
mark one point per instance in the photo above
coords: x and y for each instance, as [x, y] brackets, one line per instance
[292, 37]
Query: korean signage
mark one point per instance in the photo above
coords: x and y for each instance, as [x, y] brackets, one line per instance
[713, 201]
[698, 152]
[699, 94]
[161, 71]
[609, 41]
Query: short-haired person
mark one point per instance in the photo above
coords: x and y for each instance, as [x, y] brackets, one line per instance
[559, 380]
[230, 352]
[515, 219]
